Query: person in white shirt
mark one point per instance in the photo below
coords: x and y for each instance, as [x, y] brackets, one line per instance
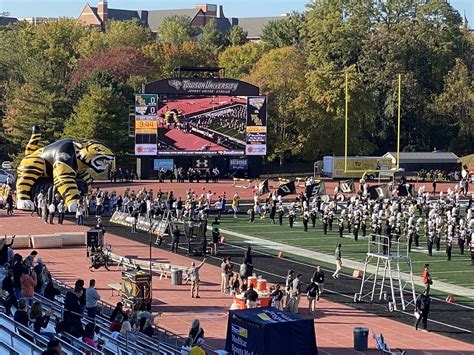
[51, 210]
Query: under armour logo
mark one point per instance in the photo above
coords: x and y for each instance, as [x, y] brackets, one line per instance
[202, 163]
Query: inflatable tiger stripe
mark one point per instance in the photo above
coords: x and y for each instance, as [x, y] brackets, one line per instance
[64, 162]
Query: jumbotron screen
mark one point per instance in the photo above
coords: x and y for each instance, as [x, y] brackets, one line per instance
[210, 125]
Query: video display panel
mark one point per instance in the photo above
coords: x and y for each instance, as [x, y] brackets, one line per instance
[197, 125]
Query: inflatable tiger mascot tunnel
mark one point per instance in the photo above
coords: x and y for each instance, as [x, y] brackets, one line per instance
[64, 166]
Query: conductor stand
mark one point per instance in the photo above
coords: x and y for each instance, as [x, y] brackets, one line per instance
[97, 250]
[384, 260]
[195, 234]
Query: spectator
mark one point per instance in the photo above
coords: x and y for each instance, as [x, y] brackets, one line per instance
[4, 249]
[117, 310]
[186, 347]
[54, 348]
[277, 296]
[9, 299]
[318, 277]
[51, 210]
[234, 284]
[197, 349]
[193, 274]
[30, 259]
[295, 294]
[116, 324]
[195, 332]
[21, 314]
[28, 283]
[288, 285]
[175, 240]
[312, 292]
[82, 299]
[251, 297]
[17, 272]
[92, 297]
[61, 211]
[39, 269]
[89, 335]
[72, 312]
[147, 328]
[40, 321]
[50, 292]
[127, 331]
[224, 276]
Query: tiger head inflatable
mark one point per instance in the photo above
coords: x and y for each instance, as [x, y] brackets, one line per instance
[94, 155]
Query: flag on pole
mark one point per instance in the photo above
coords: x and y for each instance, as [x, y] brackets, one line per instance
[347, 186]
[263, 187]
[287, 189]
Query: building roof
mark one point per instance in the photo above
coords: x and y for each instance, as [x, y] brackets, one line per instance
[119, 14]
[156, 17]
[254, 25]
[4, 21]
[420, 157]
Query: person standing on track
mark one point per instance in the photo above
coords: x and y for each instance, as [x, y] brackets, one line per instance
[422, 310]
[338, 256]
[288, 286]
[175, 240]
[235, 204]
[193, 274]
[318, 277]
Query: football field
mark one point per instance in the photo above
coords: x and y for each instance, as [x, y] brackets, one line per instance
[459, 271]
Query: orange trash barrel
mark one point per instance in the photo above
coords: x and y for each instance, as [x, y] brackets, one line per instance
[262, 285]
[252, 280]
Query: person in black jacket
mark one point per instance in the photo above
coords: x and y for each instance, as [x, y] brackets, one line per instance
[17, 272]
[40, 321]
[312, 292]
[318, 277]
[422, 310]
[117, 310]
[10, 299]
[82, 298]
[4, 250]
[72, 312]
[248, 255]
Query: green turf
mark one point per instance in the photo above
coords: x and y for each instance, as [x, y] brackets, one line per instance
[458, 271]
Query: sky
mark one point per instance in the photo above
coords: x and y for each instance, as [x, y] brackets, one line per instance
[232, 8]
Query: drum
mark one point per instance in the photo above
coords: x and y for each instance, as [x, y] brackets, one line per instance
[252, 280]
[262, 285]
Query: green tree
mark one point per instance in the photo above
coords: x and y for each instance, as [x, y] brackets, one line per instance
[176, 30]
[455, 106]
[283, 32]
[280, 76]
[238, 61]
[212, 38]
[237, 36]
[101, 111]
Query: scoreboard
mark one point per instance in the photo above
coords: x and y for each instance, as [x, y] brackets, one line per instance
[146, 124]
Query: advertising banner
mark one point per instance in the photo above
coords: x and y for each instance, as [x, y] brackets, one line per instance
[238, 164]
[146, 124]
[256, 128]
[166, 164]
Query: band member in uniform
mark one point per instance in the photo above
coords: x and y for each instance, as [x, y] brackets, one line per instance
[305, 220]
[449, 246]
[291, 216]
[313, 215]
[341, 226]
[325, 223]
[281, 213]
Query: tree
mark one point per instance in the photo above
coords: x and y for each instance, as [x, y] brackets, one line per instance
[283, 32]
[238, 61]
[212, 38]
[280, 76]
[101, 114]
[121, 62]
[168, 56]
[176, 30]
[237, 36]
[455, 105]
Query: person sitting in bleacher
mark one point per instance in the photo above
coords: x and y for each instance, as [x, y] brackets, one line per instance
[127, 330]
[117, 310]
[21, 314]
[147, 328]
[54, 348]
[40, 321]
[89, 335]
[50, 292]
[116, 324]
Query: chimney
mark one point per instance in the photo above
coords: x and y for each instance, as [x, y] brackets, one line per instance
[220, 12]
[102, 11]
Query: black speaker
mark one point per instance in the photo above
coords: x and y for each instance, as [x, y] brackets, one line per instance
[95, 238]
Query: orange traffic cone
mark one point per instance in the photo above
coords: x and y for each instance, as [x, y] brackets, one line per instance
[280, 255]
[222, 240]
[450, 299]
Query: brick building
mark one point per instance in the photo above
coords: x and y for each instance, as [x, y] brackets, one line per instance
[200, 15]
